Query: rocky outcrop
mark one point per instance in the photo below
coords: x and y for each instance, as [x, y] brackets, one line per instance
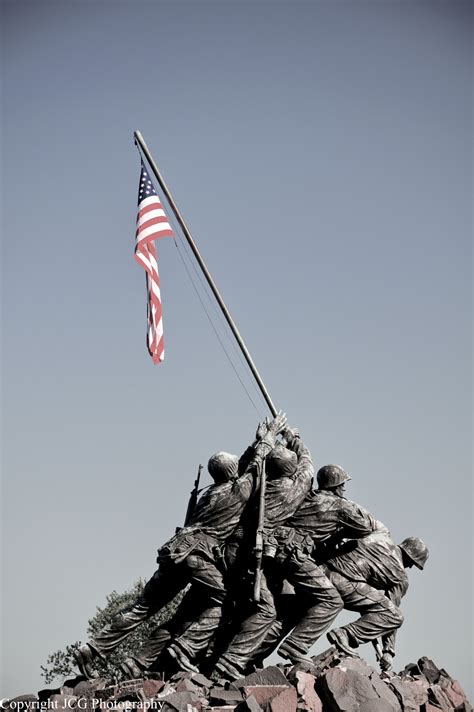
[327, 683]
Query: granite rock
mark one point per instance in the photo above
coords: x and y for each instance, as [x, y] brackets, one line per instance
[329, 682]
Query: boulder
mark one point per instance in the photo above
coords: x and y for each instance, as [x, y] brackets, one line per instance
[350, 691]
[272, 675]
[168, 689]
[152, 687]
[329, 682]
[221, 696]
[452, 690]
[357, 665]
[264, 693]
[427, 668]
[306, 667]
[187, 685]
[410, 692]
[249, 705]
[182, 702]
[309, 699]
[325, 660]
[90, 688]
[285, 701]
[438, 698]
[201, 680]
[385, 692]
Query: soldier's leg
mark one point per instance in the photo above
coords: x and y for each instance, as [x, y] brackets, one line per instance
[238, 587]
[208, 594]
[379, 616]
[287, 618]
[251, 633]
[318, 601]
[149, 653]
[163, 586]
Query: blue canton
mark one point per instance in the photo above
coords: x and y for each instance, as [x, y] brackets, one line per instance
[146, 187]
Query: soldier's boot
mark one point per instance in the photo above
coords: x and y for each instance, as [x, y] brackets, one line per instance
[131, 670]
[84, 656]
[288, 651]
[340, 638]
[181, 658]
[225, 670]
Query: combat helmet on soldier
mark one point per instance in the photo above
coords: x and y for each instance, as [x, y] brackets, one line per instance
[416, 550]
[281, 462]
[223, 467]
[331, 476]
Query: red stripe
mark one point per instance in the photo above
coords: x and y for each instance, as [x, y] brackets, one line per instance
[145, 248]
[150, 222]
[151, 206]
[155, 348]
[154, 236]
[148, 270]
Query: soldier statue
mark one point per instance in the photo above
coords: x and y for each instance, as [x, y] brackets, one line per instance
[190, 557]
[370, 577]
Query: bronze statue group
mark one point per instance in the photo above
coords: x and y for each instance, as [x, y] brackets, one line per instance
[321, 553]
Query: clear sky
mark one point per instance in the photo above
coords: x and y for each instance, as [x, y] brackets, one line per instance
[321, 154]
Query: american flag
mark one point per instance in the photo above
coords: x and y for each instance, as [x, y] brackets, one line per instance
[151, 224]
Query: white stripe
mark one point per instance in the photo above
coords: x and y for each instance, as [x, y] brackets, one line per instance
[158, 213]
[147, 260]
[152, 230]
[159, 329]
[154, 263]
[155, 333]
[143, 257]
[155, 289]
[148, 201]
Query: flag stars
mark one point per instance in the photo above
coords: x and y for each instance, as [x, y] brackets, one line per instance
[146, 187]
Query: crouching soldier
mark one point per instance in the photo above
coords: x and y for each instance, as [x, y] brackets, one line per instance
[371, 579]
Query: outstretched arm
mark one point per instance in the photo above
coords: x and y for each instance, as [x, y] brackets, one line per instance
[250, 463]
[285, 494]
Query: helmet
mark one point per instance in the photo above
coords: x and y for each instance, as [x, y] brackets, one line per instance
[280, 462]
[223, 467]
[331, 476]
[416, 550]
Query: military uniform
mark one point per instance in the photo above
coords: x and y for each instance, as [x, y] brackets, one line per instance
[190, 557]
[371, 580]
[286, 556]
[322, 516]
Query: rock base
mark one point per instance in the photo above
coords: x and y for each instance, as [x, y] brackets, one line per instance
[327, 683]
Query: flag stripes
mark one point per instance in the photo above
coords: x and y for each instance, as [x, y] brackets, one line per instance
[152, 224]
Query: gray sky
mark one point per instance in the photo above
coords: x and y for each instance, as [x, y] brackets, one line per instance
[320, 153]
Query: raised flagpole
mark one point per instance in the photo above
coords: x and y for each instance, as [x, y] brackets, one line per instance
[141, 142]
[261, 510]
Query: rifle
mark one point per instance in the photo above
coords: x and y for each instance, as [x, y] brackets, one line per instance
[378, 649]
[259, 536]
[193, 498]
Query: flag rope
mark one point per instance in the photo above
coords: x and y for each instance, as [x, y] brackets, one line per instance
[142, 147]
[214, 328]
[216, 312]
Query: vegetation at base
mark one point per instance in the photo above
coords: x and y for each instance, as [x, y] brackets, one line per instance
[61, 664]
